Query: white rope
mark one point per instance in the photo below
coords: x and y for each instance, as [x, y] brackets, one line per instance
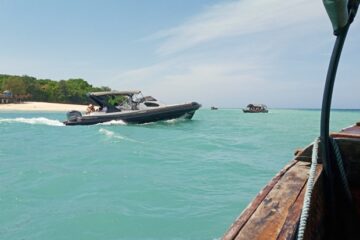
[309, 189]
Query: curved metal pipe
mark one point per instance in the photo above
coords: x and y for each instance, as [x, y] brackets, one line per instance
[324, 131]
[326, 103]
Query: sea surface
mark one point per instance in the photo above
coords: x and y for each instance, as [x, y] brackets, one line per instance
[176, 179]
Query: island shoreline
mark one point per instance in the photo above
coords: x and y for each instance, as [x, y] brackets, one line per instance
[42, 107]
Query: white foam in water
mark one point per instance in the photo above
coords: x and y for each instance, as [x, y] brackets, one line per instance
[113, 122]
[175, 120]
[172, 121]
[111, 134]
[38, 121]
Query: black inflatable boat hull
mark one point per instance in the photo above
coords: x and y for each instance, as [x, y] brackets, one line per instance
[140, 116]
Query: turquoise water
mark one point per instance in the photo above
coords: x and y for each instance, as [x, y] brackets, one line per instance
[169, 180]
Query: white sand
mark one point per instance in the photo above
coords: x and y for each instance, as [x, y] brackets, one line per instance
[42, 106]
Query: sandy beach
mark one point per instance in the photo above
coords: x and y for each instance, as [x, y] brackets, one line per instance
[42, 106]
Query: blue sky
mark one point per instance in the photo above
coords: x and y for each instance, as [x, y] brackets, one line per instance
[222, 53]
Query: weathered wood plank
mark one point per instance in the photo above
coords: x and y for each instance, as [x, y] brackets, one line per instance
[267, 221]
[353, 130]
[345, 135]
[305, 154]
[250, 209]
[315, 228]
[288, 230]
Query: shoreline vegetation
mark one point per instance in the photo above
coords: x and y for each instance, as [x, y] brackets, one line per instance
[30, 89]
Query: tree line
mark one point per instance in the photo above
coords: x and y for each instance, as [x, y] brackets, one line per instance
[45, 90]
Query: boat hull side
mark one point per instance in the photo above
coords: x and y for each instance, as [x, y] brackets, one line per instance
[249, 111]
[137, 117]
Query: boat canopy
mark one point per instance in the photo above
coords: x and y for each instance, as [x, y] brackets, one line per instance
[102, 98]
[257, 105]
[114, 93]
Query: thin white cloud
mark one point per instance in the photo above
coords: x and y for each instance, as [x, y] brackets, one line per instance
[238, 18]
[186, 78]
[238, 52]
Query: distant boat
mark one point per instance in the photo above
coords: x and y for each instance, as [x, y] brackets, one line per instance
[214, 108]
[256, 108]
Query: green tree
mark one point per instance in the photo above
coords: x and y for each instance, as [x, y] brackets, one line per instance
[63, 91]
[15, 84]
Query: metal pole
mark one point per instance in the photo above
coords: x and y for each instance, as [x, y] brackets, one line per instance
[326, 104]
[324, 131]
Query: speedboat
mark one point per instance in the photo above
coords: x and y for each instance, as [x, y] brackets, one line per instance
[129, 107]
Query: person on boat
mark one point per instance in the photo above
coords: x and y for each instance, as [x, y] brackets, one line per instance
[90, 109]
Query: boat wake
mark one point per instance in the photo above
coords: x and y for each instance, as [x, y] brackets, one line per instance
[33, 121]
[112, 122]
[166, 122]
[114, 135]
[176, 120]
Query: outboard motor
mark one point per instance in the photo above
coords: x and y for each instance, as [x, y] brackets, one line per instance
[73, 115]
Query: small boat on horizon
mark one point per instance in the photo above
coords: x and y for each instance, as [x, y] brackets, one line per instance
[130, 107]
[256, 108]
[214, 108]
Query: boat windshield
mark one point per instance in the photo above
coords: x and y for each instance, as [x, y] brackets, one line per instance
[117, 101]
